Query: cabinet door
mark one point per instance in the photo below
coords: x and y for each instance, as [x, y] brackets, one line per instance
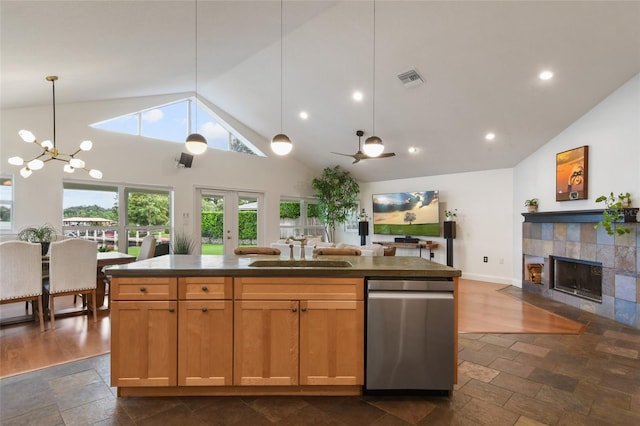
[205, 343]
[331, 342]
[144, 343]
[266, 342]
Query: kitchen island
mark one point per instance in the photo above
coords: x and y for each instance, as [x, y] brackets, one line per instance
[218, 325]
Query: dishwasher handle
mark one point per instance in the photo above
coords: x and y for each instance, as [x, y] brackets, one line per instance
[415, 295]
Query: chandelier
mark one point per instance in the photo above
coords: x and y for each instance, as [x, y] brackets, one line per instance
[50, 151]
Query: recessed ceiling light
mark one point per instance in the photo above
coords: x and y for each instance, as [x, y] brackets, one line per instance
[490, 136]
[545, 75]
[357, 96]
[304, 115]
[412, 150]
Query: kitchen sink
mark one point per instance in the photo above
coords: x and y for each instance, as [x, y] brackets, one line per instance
[301, 264]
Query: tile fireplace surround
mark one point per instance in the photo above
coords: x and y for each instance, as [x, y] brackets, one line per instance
[571, 234]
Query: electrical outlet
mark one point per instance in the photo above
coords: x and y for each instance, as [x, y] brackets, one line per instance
[485, 259]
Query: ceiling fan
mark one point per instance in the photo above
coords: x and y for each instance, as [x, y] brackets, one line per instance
[361, 155]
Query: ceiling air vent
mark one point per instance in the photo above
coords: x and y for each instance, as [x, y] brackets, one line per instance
[410, 78]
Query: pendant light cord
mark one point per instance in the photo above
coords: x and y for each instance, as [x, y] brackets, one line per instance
[196, 61]
[374, 67]
[281, 84]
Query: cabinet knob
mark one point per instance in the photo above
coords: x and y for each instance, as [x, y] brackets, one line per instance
[303, 309]
[143, 289]
[172, 310]
[204, 309]
[294, 309]
[205, 288]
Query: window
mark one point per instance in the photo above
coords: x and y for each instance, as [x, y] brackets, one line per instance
[6, 203]
[300, 216]
[104, 213]
[174, 121]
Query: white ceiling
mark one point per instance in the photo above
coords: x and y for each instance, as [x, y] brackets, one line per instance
[479, 59]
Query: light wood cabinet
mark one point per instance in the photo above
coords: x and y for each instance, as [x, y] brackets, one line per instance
[314, 340]
[205, 331]
[143, 343]
[331, 342]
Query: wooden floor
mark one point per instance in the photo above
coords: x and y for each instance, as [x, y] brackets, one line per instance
[482, 309]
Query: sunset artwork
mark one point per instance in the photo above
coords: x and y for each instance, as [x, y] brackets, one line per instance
[571, 174]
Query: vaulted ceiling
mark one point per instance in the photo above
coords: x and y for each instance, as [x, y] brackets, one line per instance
[480, 62]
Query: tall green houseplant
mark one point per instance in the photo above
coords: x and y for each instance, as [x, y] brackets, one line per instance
[337, 193]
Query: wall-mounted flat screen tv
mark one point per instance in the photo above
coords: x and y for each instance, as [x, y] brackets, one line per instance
[406, 213]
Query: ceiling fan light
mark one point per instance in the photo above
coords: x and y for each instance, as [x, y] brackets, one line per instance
[281, 144]
[68, 168]
[373, 146]
[16, 161]
[196, 144]
[25, 172]
[27, 136]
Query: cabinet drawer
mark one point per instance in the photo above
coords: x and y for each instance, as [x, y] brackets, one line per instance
[205, 288]
[134, 288]
[298, 288]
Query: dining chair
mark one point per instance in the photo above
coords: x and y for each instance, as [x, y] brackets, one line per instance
[21, 274]
[147, 248]
[257, 250]
[335, 251]
[72, 270]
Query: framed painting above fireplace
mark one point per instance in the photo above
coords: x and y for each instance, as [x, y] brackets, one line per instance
[571, 174]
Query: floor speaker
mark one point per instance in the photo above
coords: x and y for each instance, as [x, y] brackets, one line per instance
[449, 229]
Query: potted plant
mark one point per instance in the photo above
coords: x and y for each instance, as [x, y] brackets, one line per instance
[531, 205]
[614, 212]
[182, 243]
[337, 193]
[450, 214]
[43, 234]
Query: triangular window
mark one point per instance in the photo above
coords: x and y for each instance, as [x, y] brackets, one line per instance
[174, 121]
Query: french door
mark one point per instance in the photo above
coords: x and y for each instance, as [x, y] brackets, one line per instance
[229, 219]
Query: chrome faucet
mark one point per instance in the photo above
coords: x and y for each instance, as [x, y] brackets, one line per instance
[290, 251]
[303, 241]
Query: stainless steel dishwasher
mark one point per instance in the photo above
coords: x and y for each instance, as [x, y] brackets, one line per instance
[410, 335]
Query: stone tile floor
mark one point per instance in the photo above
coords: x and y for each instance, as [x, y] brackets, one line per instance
[504, 379]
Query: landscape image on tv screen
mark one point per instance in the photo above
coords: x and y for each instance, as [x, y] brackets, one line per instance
[406, 213]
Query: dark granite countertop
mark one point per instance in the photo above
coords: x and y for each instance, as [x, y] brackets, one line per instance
[238, 266]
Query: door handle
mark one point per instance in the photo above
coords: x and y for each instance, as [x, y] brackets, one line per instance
[294, 309]
[172, 310]
[204, 309]
[204, 288]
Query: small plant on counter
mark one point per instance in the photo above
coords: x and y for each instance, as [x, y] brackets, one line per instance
[613, 212]
[531, 204]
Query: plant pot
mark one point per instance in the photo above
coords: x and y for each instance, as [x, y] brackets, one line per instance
[532, 209]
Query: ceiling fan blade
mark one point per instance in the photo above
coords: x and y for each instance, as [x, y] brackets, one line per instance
[346, 155]
[356, 160]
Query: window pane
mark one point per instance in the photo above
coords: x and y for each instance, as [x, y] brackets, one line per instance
[148, 208]
[127, 124]
[168, 122]
[6, 203]
[91, 212]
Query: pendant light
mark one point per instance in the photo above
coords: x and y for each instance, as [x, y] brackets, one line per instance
[281, 144]
[50, 150]
[373, 145]
[196, 143]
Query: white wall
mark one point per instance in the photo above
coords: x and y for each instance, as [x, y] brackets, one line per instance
[612, 131]
[136, 160]
[483, 226]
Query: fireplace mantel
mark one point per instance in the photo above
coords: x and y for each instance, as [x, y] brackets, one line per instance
[569, 216]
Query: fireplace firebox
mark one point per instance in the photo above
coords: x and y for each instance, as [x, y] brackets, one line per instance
[581, 278]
